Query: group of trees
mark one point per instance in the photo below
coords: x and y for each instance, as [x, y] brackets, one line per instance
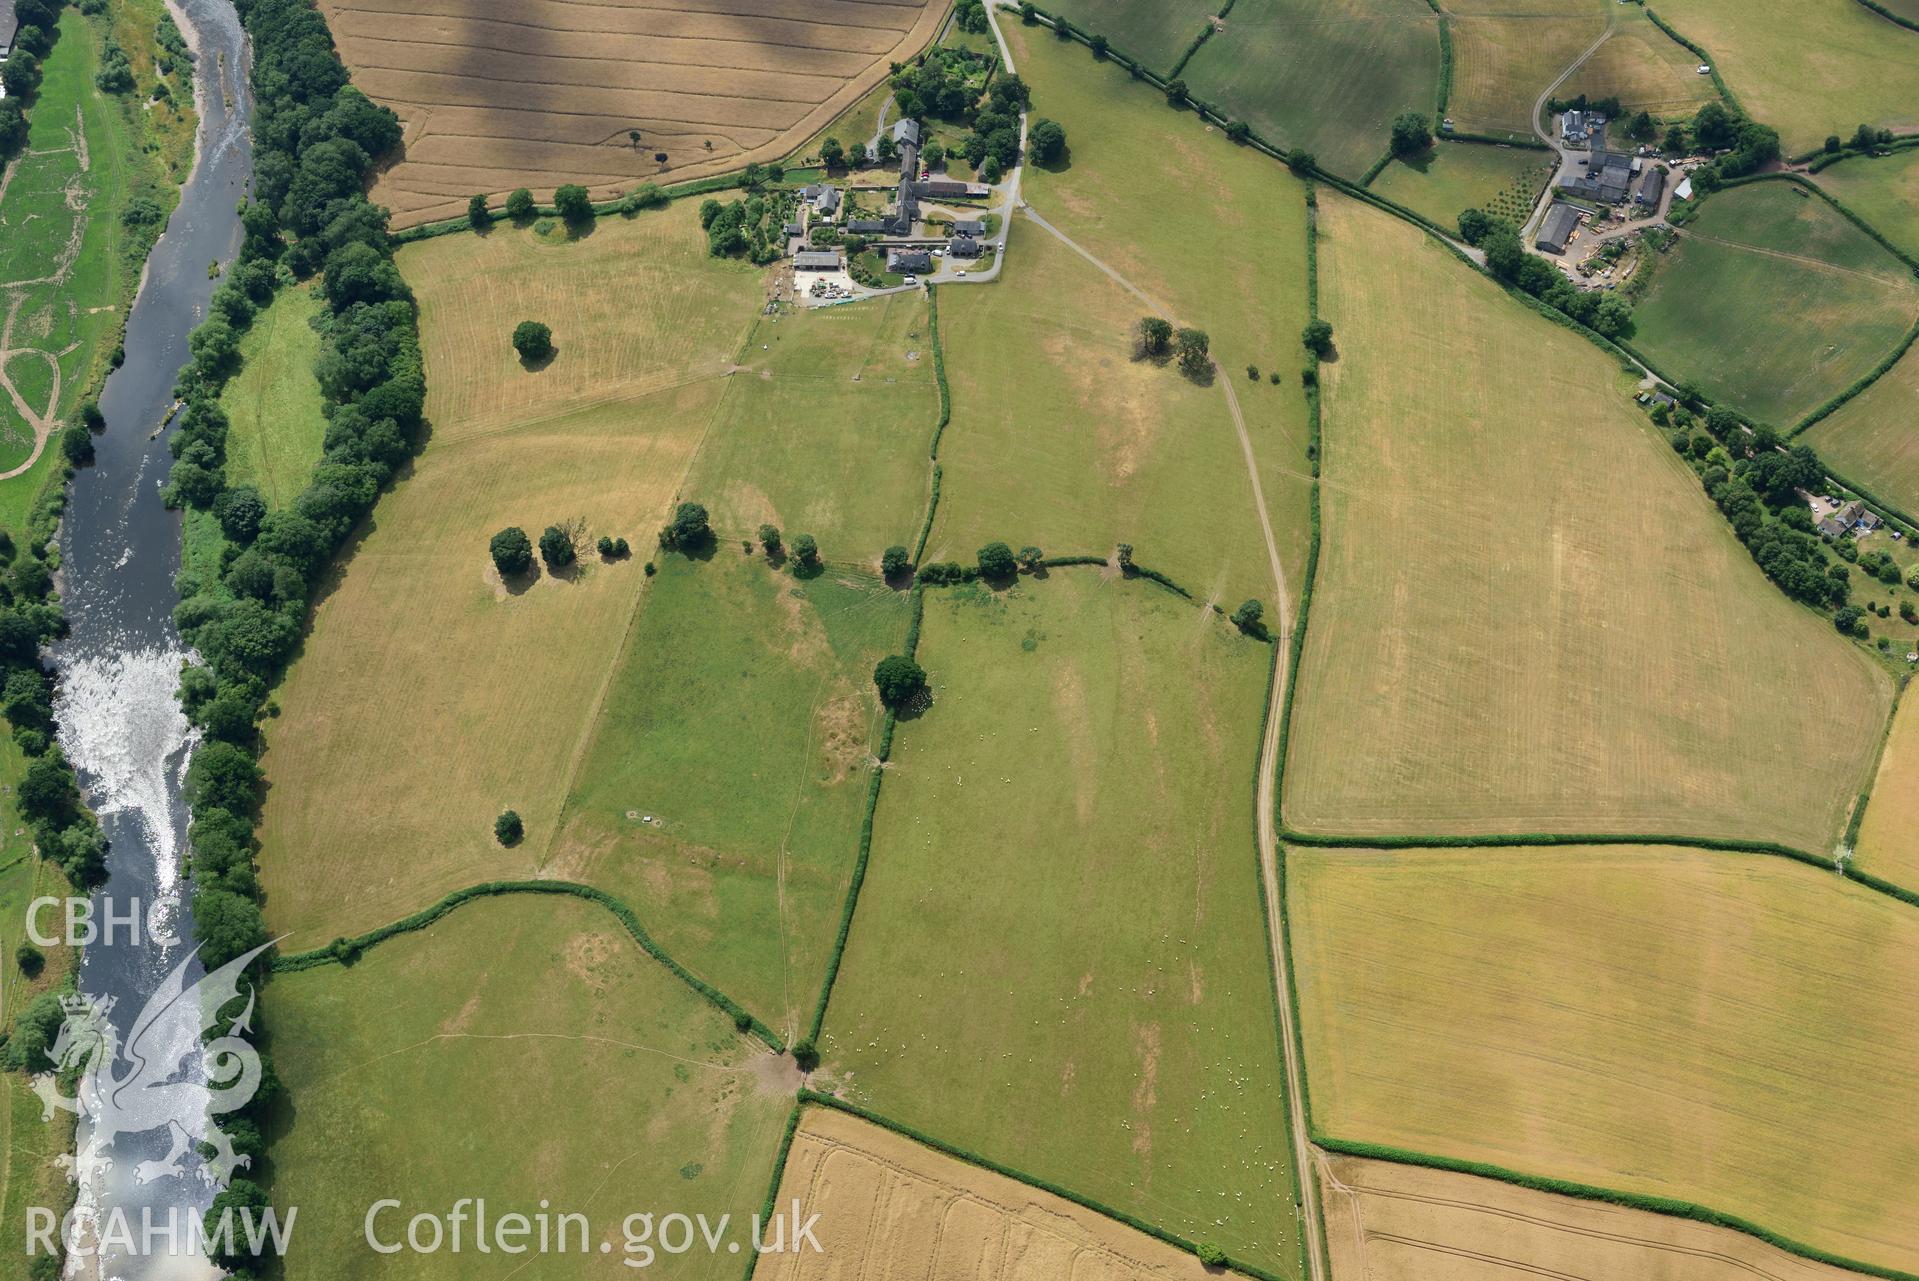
[740, 228]
[20, 75]
[1605, 313]
[1154, 338]
[1412, 133]
[1747, 145]
[1864, 138]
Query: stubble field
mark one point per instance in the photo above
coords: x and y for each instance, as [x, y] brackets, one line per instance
[889, 1208]
[570, 1070]
[1506, 51]
[1774, 302]
[550, 93]
[1729, 1030]
[1513, 655]
[1646, 69]
[1058, 959]
[1390, 1222]
[418, 643]
[1889, 837]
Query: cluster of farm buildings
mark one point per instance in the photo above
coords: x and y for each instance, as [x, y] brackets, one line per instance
[901, 231]
[1608, 178]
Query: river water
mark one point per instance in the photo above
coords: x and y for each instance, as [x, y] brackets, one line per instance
[119, 722]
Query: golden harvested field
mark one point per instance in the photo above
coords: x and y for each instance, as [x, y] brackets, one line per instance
[1390, 1222]
[523, 1050]
[890, 1208]
[1646, 69]
[1889, 837]
[427, 690]
[1732, 1030]
[1808, 68]
[1504, 54]
[550, 92]
[1507, 612]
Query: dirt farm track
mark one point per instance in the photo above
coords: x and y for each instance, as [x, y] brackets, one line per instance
[546, 92]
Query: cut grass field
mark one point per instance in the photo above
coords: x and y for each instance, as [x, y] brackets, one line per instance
[1508, 613]
[1390, 1222]
[1873, 439]
[1774, 302]
[1642, 66]
[1455, 176]
[552, 94]
[1058, 960]
[890, 1207]
[275, 428]
[1884, 190]
[574, 1071]
[1326, 75]
[722, 791]
[1157, 33]
[1888, 844]
[1506, 51]
[1730, 1030]
[1137, 176]
[417, 643]
[1808, 68]
[821, 396]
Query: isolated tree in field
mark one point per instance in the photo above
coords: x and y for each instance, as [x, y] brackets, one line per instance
[556, 547]
[1194, 349]
[832, 155]
[1175, 92]
[895, 561]
[477, 216]
[573, 203]
[1046, 141]
[1099, 45]
[1412, 134]
[1124, 554]
[770, 539]
[900, 681]
[1029, 558]
[512, 551]
[1247, 618]
[605, 547]
[688, 528]
[533, 340]
[996, 561]
[508, 829]
[1317, 338]
[806, 551]
[519, 204]
[633, 136]
[1153, 336]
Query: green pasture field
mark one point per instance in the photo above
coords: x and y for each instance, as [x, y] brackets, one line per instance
[722, 791]
[822, 397]
[1326, 75]
[1455, 176]
[1642, 66]
[1504, 54]
[1808, 68]
[1774, 302]
[66, 274]
[1726, 1029]
[1136, 182]
[1884, 190]
[1060, 439]
[1508, 611]
[273, 404]
[571, 1069]
[1157, 33]
[1873, 439]
[1058, 960]
[416, 643]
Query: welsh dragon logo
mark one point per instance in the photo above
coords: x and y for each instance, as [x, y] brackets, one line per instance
[153, 1091]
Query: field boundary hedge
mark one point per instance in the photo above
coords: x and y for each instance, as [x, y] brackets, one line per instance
[767, 1209]
[821, 1099]
[1849, 842]
[345, 951]
[1889, 15]
[617, 205]
[1672, 1207]
[1698, 50]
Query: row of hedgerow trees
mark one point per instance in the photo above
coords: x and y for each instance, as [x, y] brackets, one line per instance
[316, 139]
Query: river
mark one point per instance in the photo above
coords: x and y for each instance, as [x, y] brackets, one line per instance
[120, 550]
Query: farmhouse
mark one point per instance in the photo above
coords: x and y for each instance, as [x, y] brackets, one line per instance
[825, 200]
[964, 247]
[909, 260]
[969, 227]
[1842, 519]
[817, 260]
[1558, 228]
[906, 133]
[1572, 127]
